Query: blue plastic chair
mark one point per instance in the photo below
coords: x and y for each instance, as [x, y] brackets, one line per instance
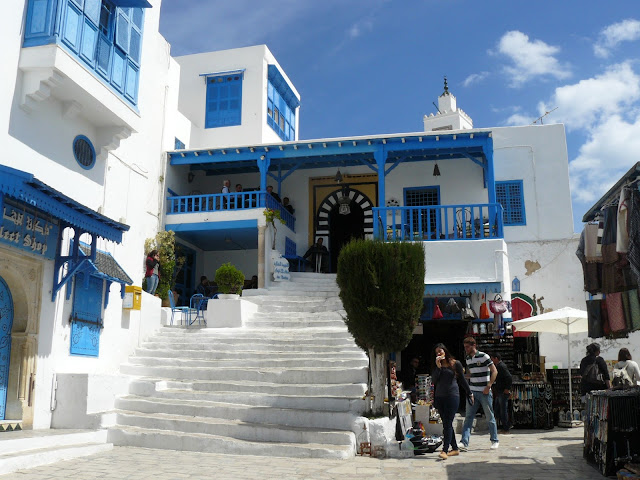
[174, 309]
[197, 303]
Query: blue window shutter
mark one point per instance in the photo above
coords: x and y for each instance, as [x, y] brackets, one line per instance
[40, 23]
[87, 316]
[510, 195]
[118, 70]
[211, 114]
[137, 16]
[122, 29]
[92, 10]
[103, 56]
[89, 41]
[72, 25]
[131, 90]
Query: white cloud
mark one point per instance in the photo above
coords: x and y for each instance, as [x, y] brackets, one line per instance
[611, 150]
[475, 78]
[586, 103]
[625, 31]
[360, 27]
[531, 58]
[519, 119]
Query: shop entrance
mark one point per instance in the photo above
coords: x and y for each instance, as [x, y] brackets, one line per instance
[6, 322]
[343, 228]
[449, 332]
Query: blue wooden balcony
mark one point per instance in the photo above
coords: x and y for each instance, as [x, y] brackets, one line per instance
[439, 222]
[225, 202]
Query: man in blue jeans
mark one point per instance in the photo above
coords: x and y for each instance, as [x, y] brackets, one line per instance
[483, 374]
[502, 392]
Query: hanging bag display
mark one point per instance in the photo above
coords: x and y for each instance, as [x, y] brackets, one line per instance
[452, 307]
[484, 311]
[467, 312]
[498, 305]
[437, 313]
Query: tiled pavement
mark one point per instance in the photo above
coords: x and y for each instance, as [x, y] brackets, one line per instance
[524, 455]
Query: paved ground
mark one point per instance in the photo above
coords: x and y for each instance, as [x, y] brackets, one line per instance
[524, 455]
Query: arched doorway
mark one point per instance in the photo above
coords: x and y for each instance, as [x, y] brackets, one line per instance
[344, 214]
[6, 322]
[343, 227]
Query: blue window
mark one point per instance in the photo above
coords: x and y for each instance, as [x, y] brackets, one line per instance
[510, 195]
[280, 116]
[84, 152]
[105, 34]
[224, 101]
[178, 145]
[86, 316]
[422, 197]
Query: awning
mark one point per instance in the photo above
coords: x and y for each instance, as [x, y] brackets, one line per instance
[26, 188]
[223, 74]
[106, 266]
[455, 289]
[132, 3]
[613, 193]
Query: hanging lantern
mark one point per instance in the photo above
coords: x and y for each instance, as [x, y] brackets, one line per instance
[344, 207]
[436, 171]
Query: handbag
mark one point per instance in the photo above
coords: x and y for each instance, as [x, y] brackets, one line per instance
[484, 311]
[497, 305]
[467, 312]
[437, 313]
[452, 307]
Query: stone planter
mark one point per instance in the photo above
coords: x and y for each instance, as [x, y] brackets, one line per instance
[228, 296]
[223, 313]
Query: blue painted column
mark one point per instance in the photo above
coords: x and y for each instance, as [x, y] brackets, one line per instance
[380, 156]
[263, 165]
[491, 178]
[280, 181]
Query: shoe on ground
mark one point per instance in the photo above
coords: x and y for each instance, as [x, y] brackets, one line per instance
[495, 445]
[453, 453]
[462, 447]
[443, 455]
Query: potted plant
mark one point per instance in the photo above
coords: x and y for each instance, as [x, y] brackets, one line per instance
[271, 216]
[230, 281]
[170, 262]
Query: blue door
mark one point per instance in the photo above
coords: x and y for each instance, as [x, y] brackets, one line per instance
[6, 321]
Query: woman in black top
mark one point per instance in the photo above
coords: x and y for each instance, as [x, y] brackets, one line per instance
[447, 378]
[591, 367]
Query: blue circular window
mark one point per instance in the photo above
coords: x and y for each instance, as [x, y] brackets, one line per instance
[84, 152]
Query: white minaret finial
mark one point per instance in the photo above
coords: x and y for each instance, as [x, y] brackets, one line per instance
[449, 117]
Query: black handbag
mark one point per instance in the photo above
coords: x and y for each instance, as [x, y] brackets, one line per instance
[452, 307]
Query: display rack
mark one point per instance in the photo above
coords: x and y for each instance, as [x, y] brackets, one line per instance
[424, 388]
[503, 345]
[526, 355]
[612, 428]
[532, 405]
[559, 379]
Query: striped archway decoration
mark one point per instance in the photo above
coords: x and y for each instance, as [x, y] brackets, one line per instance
[322, 214]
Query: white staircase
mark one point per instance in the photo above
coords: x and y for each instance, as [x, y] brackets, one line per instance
[289, 383]
[34, 448]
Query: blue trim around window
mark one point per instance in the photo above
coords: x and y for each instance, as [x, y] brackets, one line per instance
[510, 194]
[223, 106]
[281, 114]
[425, 188]
[105, 34]
[84, 152]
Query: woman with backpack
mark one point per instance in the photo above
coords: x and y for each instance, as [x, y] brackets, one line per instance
[626, 372]
[594, 371]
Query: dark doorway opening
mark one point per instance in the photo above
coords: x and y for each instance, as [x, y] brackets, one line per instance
[343, 229]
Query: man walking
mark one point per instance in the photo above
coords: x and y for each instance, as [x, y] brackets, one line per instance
[502, 391]
[483, 375]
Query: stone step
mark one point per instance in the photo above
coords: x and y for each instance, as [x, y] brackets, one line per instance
[319, 308]
[248, 362]
[256, 336]
[236, 411]
[337, 314]
[293, 300]
[262, 322]
[257, 374]
[147, 387]
[253, 354]
[32, 448]
[163, 439]
[237, 429]
[307, 402]
[331, 347]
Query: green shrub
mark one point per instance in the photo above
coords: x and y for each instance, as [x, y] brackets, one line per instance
[381, 288]
[229, 279]
[170, 263]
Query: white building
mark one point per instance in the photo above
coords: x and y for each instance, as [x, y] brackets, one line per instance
[108, 138]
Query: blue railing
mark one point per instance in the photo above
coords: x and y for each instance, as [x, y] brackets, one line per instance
[439, 222]
[289, 219]
[222, 202]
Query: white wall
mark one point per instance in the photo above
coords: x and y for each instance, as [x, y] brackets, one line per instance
[254, 128]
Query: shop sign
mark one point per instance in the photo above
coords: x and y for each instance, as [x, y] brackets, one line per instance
[28, 228]
[280, 267]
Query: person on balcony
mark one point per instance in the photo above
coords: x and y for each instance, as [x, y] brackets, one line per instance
[225, 186]
[273, 194]
[152, 271]
[319, 256]
[287, 205]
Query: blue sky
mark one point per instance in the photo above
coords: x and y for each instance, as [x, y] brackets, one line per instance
[375, 66]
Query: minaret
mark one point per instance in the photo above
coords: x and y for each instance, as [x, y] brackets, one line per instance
[449, 116]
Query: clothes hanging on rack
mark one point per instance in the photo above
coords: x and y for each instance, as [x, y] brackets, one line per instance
[634, 233]
[622, 234]
[592, 249]
[610, 225]
[616, 312]
[594, 316]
